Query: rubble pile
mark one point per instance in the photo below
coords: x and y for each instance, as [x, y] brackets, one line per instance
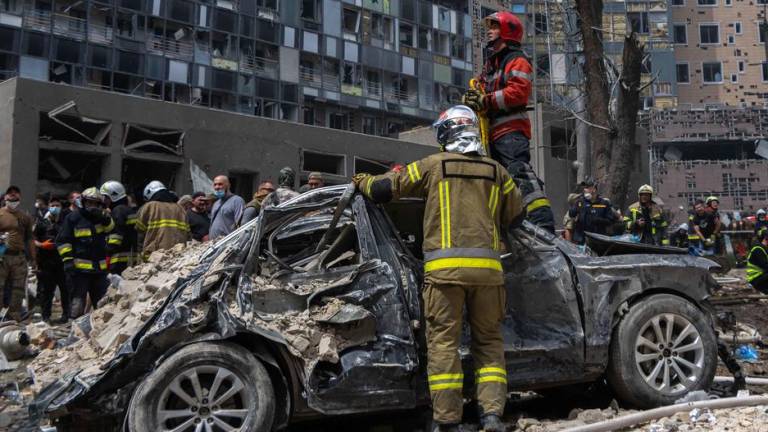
[745, 419]
[129, 302]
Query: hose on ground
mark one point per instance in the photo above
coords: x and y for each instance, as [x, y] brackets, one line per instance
[657, 413]
[750, 380]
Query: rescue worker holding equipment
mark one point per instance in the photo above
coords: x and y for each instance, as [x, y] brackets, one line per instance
[645, 219]
[122, 243]
[470, 202]
[757, 265]
[504, 88]
[82, 244]
[590, 213]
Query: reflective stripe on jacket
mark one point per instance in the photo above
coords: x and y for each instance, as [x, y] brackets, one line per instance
[655, 229]
[468, 201]
[83, 242]
[164, 225]
[757, 256]
[507, 79]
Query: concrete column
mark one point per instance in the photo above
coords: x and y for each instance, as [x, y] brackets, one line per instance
[112, 164]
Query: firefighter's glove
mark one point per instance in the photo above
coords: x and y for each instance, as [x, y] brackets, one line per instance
[358, 178]
[709, 242]
[473, 99]
[48, 245]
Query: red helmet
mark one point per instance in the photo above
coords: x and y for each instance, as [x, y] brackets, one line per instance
[510, 24]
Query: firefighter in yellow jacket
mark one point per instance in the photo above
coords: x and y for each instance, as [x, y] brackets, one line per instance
[470, 201]
[161, 221]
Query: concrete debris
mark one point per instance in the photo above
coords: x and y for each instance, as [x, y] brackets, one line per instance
[130, 301]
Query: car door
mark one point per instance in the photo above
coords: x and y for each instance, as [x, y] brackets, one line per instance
[543, 332]
[377, 353]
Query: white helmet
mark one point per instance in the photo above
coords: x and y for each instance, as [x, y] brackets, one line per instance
[114, 190]
[457, 131]
[683, 227]
[760, 211]
[152, 188]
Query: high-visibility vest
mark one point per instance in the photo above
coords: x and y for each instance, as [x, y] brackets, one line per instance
[753, 271]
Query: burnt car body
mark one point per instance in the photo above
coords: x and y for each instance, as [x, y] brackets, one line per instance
[563, 306]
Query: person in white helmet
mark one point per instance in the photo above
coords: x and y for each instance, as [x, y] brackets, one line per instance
[761, 224]
[679, 238]
[161, 221]
[646, 220]
[122, 243]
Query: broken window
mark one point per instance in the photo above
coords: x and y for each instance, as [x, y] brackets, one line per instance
[323, 162]
[371, 166]
[65, 123]
[150, 139]
[60, 172]
[351, 23]
[406, 35]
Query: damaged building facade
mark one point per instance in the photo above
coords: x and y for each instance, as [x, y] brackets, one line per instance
[60, 138]
[376, 67]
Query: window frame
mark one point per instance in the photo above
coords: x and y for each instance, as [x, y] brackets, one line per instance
[687, 73]
[763, 70]
[704, 82]
[709, 24]
[715, 4]
[685, 32]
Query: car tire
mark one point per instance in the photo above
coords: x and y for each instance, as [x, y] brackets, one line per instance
[644, 370]
[179, 391]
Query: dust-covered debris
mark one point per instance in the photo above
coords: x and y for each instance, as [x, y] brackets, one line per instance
[128, 304]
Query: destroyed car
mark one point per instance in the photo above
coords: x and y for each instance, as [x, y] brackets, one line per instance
[313, 309]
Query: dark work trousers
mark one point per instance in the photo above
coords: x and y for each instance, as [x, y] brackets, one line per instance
[513, 152]
[92, 284]
[48, 278]
[761, 283]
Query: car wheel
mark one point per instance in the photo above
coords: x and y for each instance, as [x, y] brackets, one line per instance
[663, 348]
[205, 387]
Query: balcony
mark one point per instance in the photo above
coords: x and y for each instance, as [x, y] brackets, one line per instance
[171, 47]
[100, 34]
[37, 20]
[69, 26]
[310, 76]
[331, 82]
[401, 97]
[372, 89]
[259, 65]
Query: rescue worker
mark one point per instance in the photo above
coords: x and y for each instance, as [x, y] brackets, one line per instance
[160, 222]
[470, 202]
[284, 190]
[506, 81]
[122, 243]
[19, 250]
[713, 204]
[253, 208]
[591, 213]
[757, 265]
[702, 224]
[50, 272]
[645, 219]
[760, 223]
[82, 244]
[679, 238]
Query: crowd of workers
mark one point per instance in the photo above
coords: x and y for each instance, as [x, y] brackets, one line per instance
[74, 244]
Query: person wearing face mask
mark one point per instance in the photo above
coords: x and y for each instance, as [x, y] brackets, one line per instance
[161, 221]
[227, 210]
[82, 245]
[20, 249]
[253, 208]
[50, 268]
[591, 213]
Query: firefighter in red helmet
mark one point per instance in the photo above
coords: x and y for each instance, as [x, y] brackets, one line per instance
[506, 83]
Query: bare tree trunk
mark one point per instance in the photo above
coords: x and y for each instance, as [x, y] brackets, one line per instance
[598, 93]
[628, 104]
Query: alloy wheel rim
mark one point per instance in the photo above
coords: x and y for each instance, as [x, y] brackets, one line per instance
[669, 354]
[206, 398]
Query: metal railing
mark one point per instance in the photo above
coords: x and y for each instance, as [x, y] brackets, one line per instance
[100, 34]
[259, 65]
[69, 26]
[310, 76]
[402, 97]
[170, 47]
[331, 82]
[372, 88]
[37, 20]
